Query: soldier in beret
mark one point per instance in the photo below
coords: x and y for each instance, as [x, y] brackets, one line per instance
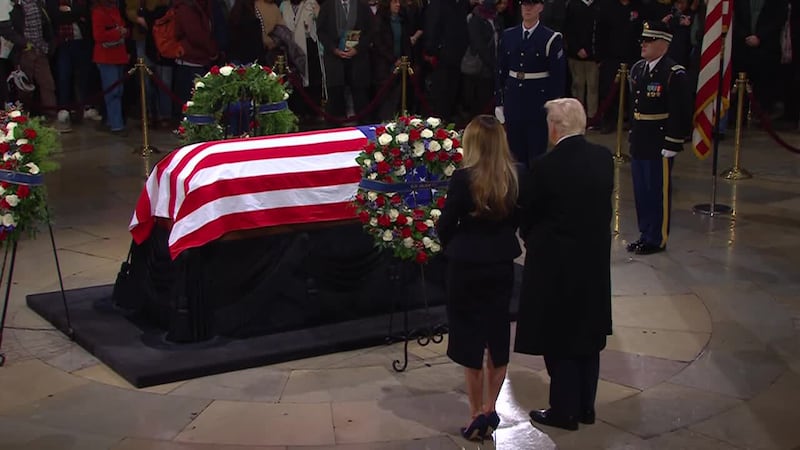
[661, 115]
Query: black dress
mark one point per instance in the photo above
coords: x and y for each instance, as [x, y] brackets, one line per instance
[480, 277]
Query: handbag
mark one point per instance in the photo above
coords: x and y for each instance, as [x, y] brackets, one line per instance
[124, 293]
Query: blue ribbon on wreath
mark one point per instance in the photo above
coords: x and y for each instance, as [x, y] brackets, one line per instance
[13, 177]
[417, 190]
[267, 108]
[201, 119]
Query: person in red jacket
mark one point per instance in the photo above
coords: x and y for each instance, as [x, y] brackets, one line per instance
[111, 57]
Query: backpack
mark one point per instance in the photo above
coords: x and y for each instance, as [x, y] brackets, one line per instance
[167, 44]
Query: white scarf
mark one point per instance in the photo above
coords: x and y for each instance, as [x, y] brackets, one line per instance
[303, 23]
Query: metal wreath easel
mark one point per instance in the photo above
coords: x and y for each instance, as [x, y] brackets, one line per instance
[30, 180]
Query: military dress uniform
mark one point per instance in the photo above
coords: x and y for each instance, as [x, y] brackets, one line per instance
[660, 117]
[530, 71]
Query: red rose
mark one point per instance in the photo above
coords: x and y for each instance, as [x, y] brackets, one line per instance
[457, 157]
[21, 119]
[363, 216]
[360, 198]
[384, 221]
[4, 204]
[4, 184]
[380, 201]
[26, 148]
[380, 130]
[441, 134]
[420, 226]
[383, 167]
[214, 70]
[431, 156]
[443, 156]
[418, 214]
[29, 133]
[395, 152]
[409, 163]
[422, 257]
[281, 81]
[267, 69]
[184, 108]
[402, 220]
[4, 147]
[369, 148]
[181, 129]
[8, 165]
[23, 191]
[396, 199]
[440, 202]
[241, 71]
[404, 119]
[414, 135]
[397, 162]
[388, 179]
[405, 232]
[456, 143]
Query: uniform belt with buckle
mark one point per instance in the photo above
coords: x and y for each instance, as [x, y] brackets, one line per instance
[528, 75]
[640, 116]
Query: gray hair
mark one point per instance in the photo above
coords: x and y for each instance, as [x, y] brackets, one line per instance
[566, 115]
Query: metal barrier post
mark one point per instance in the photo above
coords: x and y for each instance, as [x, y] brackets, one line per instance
[145, 149]
[405, 70]
[737, 172]
[622, 78]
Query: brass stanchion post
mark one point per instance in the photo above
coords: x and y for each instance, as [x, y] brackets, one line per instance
[405, 70]
[145, 149]
[737, 172]
[280, 65]
[622, 78]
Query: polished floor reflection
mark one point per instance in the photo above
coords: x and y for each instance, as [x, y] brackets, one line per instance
[705, 352]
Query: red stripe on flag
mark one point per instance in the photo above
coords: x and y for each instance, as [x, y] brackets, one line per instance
[144, 217]
[173, 179]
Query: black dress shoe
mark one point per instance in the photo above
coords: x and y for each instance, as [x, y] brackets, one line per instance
[648, 249]
[547, 417]
[493, 422]
[587, 417]
[476, 430]
[632, 246]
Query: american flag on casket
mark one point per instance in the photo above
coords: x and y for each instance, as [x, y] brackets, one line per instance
[208, 189]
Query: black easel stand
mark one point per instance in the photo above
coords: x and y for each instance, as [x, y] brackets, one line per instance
[425, 335]
[10, 279]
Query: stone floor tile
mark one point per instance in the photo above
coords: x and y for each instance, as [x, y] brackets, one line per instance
[769, 421]
[639, 278]
[29, 381]
[261, 384]
[73, 359]
[533, 362]
[522, 391]
[664, 408]
[266, 424]
[352, 384]
[637, 371]
[147, 444]
[445, 377]
[21, 435]
[675, 312]
[741, 374]
[521, 435]
[666, 344]
[608, 392]
[97, 408]
[433, 443]
[686, 439]
[597, 436]
[103, 374]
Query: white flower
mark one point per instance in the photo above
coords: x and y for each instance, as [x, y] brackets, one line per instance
[6, 156]
[371, 196]
[2, 190]
[390, 126]
[225, 70]
[22, 141]
[400, 171]
[199, 85]
[460, 150]
[2, 136]
[436, 248]
[32, 168]
[429, 223]
[427, 242]
[8, 220]
[285, 95]
[448, 171]
[402, 138]
[426, 133]
[419, 149]
[435, 213]
[433, 121]
[387, 235]
[372, 176]
[10, 129]
[414, 122]
[373, 222]
[189, 104]
[408, 242]
[273, 75]
[453, 134]
[257, 66]
[447, 144]
[378, 156]
[393, 214]
[367, 162]
[17, 155]
[384, 139]
[12, 200]
[14, 114]
[434, 146]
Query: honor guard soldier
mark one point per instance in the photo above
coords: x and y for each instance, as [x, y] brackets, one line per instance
[660, 120]
[531, 69]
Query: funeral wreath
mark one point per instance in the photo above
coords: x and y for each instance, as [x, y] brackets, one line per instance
[27, 146]
[405, 171]
[253, 93]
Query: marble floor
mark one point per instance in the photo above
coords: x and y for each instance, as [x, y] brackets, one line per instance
[705, 352]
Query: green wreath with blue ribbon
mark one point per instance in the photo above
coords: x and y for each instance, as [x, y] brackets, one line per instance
[253, 93]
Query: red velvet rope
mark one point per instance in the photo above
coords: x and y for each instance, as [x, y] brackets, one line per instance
[379, 96]
[766, 124]
[88, 101]
[605, 105]
[160, 84]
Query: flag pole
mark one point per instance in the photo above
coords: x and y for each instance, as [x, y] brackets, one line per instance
[716, 209]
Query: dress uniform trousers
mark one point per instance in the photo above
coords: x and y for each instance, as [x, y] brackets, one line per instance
[652, 189]
[527, 138]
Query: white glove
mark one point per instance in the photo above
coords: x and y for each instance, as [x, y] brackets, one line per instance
[498, 112]
[668, 153]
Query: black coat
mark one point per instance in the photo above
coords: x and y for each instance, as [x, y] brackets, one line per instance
[565, 301]
[619, 30]
[383, 57]
[768, 29]
[580, 29]
[470, 239]
[483, 40]
[328, 35]
[446, 35]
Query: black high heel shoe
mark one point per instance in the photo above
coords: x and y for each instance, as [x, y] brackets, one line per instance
[493, 422]
[476, 430]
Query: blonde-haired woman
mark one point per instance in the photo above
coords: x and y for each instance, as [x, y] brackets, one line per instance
[478, 231]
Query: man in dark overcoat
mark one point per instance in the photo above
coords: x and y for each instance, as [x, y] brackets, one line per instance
[565, 302]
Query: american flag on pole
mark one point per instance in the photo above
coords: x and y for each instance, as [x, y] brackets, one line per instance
[208, 189]
[719, 14]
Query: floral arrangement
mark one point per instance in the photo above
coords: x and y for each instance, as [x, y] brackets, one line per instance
[228, 85]
[27, 146]
[404, 184]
